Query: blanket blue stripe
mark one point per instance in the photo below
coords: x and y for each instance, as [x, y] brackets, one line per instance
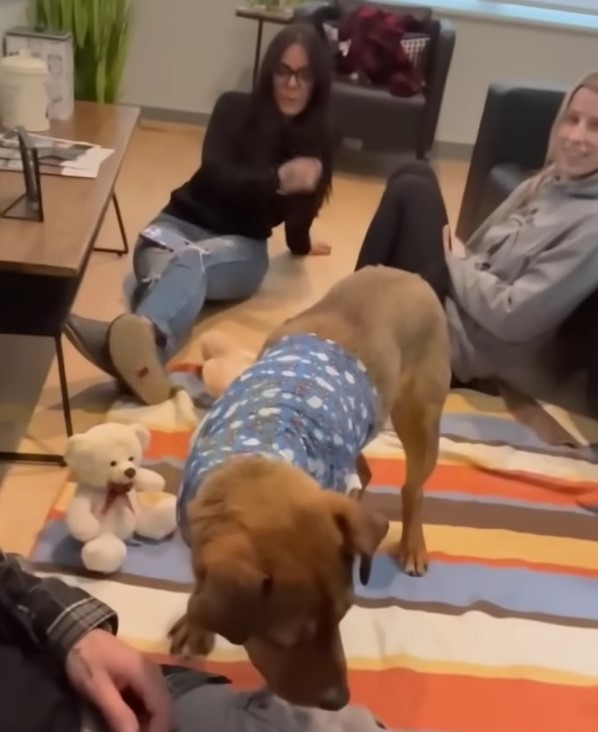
[456, 585]
[479, 428]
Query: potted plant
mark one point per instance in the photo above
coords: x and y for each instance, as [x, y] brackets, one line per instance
[101, 31]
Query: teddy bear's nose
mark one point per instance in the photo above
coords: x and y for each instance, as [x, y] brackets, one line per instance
[130, 473]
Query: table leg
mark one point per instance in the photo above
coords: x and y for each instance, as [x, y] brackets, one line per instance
[258, 51]
[123, 233]
[7, 456]
[64, 389]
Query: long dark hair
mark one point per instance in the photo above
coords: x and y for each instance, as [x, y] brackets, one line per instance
[309, 133]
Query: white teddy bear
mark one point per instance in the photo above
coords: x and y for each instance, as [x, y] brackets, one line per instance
[105, 510]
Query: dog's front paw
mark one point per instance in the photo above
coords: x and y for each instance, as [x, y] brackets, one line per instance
[411, 554]
[187, 640]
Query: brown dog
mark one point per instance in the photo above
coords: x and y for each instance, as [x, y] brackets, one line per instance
[272, 551]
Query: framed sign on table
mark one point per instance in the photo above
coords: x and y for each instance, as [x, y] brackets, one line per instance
[27, 205]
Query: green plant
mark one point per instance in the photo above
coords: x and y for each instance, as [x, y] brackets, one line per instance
[101, 30]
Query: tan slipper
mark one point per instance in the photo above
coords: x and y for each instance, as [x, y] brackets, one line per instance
[90, 338]
[134, 355]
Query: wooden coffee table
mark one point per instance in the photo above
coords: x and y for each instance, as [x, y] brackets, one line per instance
[42, 264]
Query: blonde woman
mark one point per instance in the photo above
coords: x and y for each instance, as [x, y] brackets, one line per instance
[524, 271]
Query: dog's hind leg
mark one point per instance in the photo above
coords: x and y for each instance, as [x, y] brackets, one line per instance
[416, 418]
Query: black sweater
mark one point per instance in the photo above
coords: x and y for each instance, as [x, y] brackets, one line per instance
[235, 189]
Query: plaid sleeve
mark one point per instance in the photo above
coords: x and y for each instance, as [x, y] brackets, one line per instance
[53, 612]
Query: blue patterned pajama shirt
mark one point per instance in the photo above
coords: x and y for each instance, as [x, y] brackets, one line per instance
[306, 401]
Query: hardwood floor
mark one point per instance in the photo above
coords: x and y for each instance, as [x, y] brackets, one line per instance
[30, 413]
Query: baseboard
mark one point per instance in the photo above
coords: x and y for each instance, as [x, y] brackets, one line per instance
[453, 150]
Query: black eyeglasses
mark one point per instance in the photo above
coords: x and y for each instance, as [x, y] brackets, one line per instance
[283, 74]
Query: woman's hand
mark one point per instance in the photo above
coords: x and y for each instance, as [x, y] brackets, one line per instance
[126, 687]
[320, 249]
[300, 175]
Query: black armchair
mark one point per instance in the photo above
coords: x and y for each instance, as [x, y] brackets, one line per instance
[510, 146]
[380, 121]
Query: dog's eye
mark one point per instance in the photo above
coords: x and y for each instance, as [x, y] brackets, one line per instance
[113, 464]
[131, 459]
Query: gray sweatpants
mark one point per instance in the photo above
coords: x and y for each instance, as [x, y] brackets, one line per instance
[218, 707]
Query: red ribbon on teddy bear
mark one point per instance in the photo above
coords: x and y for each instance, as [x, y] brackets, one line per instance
[117, 491]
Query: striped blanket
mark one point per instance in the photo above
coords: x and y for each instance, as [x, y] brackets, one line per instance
[501, 635]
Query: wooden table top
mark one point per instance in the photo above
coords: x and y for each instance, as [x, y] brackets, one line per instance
[73, 207]
[282, 16]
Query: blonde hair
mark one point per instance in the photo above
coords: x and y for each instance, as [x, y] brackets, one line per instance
[548, 172]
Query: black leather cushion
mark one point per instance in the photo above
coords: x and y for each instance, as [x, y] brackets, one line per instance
[504, 179]
[397, 119]
[500, 183]
[578, 347]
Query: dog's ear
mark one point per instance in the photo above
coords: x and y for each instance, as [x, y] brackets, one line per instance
[230, 597]
[362, 529]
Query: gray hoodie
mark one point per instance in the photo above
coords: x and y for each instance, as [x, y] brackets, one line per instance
[526, 269]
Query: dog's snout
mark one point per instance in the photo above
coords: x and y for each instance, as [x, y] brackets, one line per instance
[334, 698]
[130, 473]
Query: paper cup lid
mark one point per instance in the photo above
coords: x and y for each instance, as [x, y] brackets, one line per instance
[25, 63]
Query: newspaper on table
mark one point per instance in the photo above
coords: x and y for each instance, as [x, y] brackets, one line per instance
[70, 158]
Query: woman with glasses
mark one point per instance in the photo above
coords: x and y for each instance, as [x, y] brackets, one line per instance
[267, 160]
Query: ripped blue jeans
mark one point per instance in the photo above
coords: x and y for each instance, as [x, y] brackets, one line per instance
[179, 266]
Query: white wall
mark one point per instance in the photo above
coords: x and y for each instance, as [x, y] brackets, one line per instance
[487, 51]
[186, 52]
[12, 12]
[205, 50]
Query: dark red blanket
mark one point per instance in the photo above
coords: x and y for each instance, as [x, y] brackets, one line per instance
[375, 53]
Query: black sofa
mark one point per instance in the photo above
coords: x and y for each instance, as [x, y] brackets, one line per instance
[510, 146]
[380, 121]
